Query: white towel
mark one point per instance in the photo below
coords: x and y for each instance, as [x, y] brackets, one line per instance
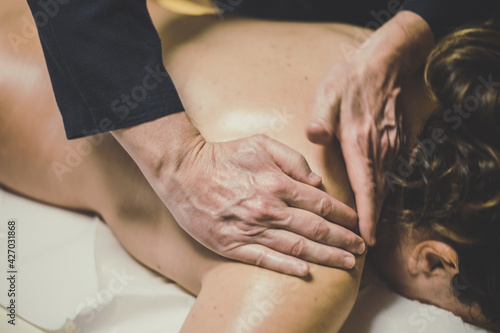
[73, 276]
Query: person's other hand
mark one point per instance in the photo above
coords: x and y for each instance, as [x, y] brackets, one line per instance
[253, 200]
[356, 102]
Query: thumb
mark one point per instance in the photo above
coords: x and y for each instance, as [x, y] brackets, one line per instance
[324, 118]
[290, 161]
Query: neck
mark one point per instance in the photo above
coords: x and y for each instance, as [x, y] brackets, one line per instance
[416, 105]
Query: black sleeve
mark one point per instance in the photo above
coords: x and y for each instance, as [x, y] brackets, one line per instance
[444, 15]
[105, 63]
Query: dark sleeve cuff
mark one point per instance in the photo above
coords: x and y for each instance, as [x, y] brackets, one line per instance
[125, 111]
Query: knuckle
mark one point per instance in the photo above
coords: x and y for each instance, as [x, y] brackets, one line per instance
[366, 127]
[260, 138]
[360, 132]
[356, 75]
[320, 232]
[224, 238]
[334, 258]
[261, 259]
[244, 227]
[249, 230]
[327, 93]
[366, 188]
[263, 208]
[246, 151]
[350, 241]
[325, 207]
[275, 184]
[301, 160]
[285, 222]
[298, 248]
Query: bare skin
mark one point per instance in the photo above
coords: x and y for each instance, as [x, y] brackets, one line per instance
[240, 81]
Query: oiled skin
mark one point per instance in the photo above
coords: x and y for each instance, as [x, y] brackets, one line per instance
[236, 78]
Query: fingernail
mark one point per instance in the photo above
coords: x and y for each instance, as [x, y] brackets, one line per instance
[302, 269]
[314, 178]
[361, 248]
[349, 262]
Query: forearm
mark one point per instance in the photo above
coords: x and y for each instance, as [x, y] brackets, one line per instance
[416, 37]
[403, 42]
[160, 145]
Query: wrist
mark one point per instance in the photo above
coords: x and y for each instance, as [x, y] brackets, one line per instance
[416, 36]
[160, 144]
[402, 44]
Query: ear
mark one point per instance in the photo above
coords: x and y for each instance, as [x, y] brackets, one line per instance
[433, 258]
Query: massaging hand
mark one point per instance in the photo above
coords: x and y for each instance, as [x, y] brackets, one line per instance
[252, 200]
[356, 101]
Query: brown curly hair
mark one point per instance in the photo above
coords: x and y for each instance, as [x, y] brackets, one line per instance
[453, 190]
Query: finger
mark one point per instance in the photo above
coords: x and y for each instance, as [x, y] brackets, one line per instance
[265, 257]
[361, 176]
[292, 244]
[290, 161]
[320, 203]
[367, 215]
[317, 229]
[324, 117]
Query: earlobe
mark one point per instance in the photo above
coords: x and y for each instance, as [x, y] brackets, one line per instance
[432, 258]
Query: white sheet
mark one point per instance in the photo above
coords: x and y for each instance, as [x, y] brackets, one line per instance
[73, 276]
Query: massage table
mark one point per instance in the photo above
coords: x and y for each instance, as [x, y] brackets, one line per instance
[74, 276]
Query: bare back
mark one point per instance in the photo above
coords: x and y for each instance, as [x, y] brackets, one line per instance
[236, 78]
